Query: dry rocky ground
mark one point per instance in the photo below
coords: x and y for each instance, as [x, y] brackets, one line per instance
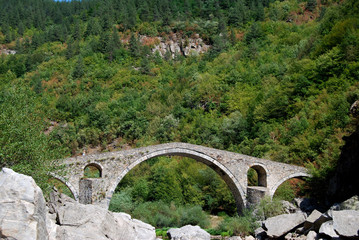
[24, 215]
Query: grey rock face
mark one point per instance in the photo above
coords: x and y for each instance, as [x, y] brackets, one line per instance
[328, 229]
[135, 229]
[249, 238]
[260, 233]
[294, 236]
[23, 213]
[280, 225]
[188, 232]
[235, 238]
[354, 109]
[350, 204]
[346, 223]
[315, 220]
[178, 45]
[76, 219]
[24, 216]
[289, 207]
[7, 52]
[311, 235]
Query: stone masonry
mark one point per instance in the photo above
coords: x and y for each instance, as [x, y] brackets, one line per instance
[232, 167]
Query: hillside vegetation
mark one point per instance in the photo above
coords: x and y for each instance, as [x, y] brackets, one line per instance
[277, 83]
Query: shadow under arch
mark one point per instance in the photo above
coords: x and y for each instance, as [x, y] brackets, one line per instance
[294, 175]
[222, 171]
[67, 184]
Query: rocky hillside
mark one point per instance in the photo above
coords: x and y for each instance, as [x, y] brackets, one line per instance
[177, 44]
[25, 215]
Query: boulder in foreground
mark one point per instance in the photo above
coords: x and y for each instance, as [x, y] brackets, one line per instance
[188, 232]
[23, 213]
[346, 223]
[279, 225]
[24, 216]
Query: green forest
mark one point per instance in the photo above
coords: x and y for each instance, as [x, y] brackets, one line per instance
[277, 83]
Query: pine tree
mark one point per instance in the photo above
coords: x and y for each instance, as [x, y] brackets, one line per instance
[104, 41]
[116, 39]
[79, 69]
[77, 34]
[21, 28]
[311, 4]
[19, 47]
[134, 46]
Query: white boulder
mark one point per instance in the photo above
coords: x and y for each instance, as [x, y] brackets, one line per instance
[23, 212]
[188, 232]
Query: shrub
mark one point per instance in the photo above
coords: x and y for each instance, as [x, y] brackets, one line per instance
[193, 215]
[158, 214]
[122, 202]
[268, 208]
[243, 225]
[285, 192]
[162, 232]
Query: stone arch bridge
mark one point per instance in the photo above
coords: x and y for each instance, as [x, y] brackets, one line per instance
[232, 167]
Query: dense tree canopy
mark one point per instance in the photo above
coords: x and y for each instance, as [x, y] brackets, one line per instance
[277, 82]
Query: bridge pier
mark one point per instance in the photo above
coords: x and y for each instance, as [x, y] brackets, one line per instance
[255, 194]
[91, 191]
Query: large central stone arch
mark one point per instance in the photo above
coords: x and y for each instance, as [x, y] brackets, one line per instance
[236, 188]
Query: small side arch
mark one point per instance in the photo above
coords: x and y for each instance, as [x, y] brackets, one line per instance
[95, 165]
[294, 175]
[69, 185]
[233, 184]
[262, 173]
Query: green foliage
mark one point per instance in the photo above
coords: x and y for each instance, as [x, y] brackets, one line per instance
[279, 91]
[269, 208]
[180, 181]
[311, 4]
[161, 214]
[24, 146]
[61, 187]
[285, 192]
[92, 172]
[162, 232]
[122, 202]
[252, 176]
[79, 70]
[243, 225]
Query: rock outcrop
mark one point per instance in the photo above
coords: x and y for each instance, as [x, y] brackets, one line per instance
[188, 232]
[341, 221]
[346, 223]
[25, 216]
[7, 51]
[23, 213]
[177, 45]
[279, 225]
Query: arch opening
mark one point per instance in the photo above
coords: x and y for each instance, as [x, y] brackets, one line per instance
[174, 191]
[257, 176]
[293, 181]
[290, 189]
[62, 187]
[235, 188]
[93, 170]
